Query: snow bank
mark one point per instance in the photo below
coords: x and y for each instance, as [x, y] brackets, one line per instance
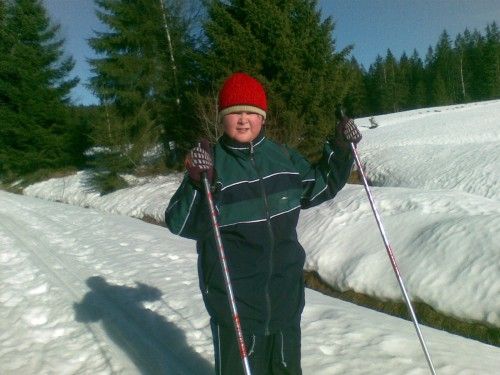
[145, 197]
[446, 245]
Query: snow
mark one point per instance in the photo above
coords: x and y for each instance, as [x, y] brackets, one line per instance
[96, 291]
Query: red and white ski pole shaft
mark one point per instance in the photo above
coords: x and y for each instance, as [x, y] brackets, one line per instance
[227, 280]
[392, 259]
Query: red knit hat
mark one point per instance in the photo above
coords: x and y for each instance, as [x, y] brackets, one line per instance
[241, 93]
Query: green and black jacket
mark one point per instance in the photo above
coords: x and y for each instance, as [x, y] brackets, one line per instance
[259, 190]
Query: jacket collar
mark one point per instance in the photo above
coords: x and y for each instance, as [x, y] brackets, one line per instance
[238, 146]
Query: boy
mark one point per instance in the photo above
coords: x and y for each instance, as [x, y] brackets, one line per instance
[259, 188]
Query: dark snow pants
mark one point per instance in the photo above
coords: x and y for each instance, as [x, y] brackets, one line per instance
[276, 354]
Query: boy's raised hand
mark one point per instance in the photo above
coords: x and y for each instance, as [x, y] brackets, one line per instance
[348, 130]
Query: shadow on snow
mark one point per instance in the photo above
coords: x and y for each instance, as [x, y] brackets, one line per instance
[155, 345]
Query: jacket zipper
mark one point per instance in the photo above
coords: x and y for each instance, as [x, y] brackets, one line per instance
[271, 238]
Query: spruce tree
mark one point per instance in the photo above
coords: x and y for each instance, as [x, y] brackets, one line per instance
[5, 114]
[444, 70]
[287, 46]
[403, 76]
[468, 70]
[440, 95]
[141, 75]
[34, 91]
[6, 41]
[476, 45]
[418, 97]
[355, 102]
[394, 86]
[377, 86]
[491, 58]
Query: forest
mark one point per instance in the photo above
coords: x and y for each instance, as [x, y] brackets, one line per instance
[160, 62]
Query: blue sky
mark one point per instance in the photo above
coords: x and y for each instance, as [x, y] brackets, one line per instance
[372, 26]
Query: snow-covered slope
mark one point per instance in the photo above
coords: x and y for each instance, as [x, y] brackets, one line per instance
[86, 292]
[445, 148]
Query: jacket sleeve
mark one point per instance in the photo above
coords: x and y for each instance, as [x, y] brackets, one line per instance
[187, 212]
[323, 180]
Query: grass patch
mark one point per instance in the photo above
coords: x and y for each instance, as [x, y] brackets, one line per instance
[355, 178]
[426, 315]
[151, 220]
[159, 168]
[107, 182]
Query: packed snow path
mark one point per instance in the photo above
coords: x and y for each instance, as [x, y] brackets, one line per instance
[50, 258]
[85, 292]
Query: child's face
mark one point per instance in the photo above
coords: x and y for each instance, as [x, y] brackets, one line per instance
[243, 127]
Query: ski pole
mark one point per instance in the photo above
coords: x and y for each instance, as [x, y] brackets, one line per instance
[227, 280]
[392, 259]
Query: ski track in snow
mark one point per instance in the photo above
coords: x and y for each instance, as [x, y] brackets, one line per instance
[49, 278]
[60, 275]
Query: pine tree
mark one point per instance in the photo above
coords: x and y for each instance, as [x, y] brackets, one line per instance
[34, 91]
[468, 70]
[403, 78]
[444, 70]
[6, 41]
[418, 97]
[141, 76]
[375, 81]
[476, 43]
[355, 102]
[287, 46]
[5, 114]
[491, 59]
[440, 94]
[395, 86]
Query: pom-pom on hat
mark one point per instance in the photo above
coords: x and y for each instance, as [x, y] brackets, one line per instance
[242, 93]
